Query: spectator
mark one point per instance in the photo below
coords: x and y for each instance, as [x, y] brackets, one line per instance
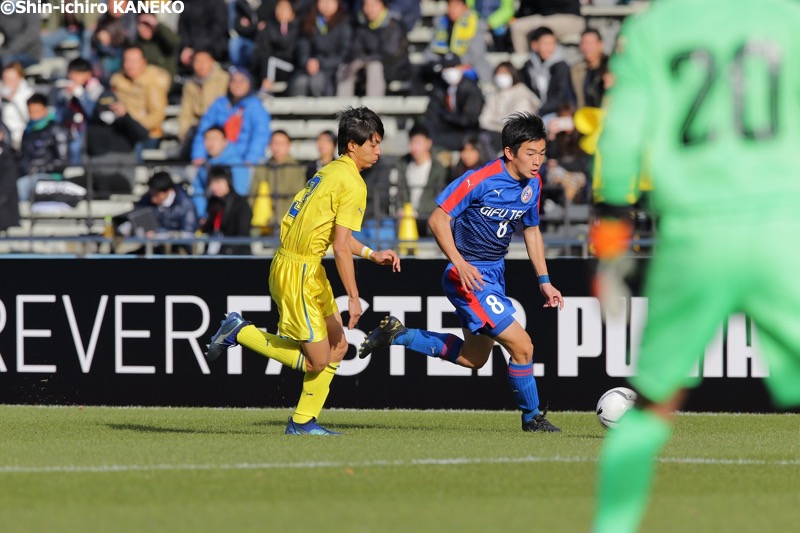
[409, 12]
[510, 96]
[454, 107]
[380, 50]
[173, 208]
[474, 154]
[45, 147]
[75, 103]
[158, 42]
[115, 31]
[111, 136]
[563, 16]
[285, 175]
[208, 83]
[546, 73]
[204, 26]
[497, 14]
[276, 46]
[326, 146]
[15, 92]
[62, 27]
[324, 45]
[220, 153]
[9, 200]
[21, 43]
[229, 214]
[246, 24]
[243, 118]
[420, 177]
[567, 164]
[461, 32]
[587, 75]
[143, 89]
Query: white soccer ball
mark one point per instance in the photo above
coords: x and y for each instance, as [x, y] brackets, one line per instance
[613, 404]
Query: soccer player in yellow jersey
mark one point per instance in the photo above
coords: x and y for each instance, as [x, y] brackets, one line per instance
[327, 211]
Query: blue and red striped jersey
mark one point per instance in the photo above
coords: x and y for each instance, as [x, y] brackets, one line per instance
[486, 204]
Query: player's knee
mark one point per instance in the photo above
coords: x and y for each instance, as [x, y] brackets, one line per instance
[522, 353]
[339, 350]
[316, 366]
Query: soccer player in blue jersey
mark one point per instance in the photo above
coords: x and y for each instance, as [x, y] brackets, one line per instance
[473, 224]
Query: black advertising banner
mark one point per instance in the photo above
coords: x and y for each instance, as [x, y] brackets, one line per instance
[131, 331]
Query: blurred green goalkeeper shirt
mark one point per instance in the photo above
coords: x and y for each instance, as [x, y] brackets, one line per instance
[714, 120]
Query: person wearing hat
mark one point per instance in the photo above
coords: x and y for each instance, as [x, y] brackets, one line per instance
[455, 106]
[242, 117]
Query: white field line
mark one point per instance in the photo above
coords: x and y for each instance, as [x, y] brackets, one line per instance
[454, 461]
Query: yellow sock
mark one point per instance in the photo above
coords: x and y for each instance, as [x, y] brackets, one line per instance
[285, 351]
[316, 386]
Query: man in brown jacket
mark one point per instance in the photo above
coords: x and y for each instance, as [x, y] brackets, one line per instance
[208, 83]
[142, 89]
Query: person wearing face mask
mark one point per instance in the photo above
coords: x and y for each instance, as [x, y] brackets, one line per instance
[510, 96]
[454, 107]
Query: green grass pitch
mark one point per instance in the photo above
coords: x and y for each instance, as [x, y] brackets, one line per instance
[72, 469]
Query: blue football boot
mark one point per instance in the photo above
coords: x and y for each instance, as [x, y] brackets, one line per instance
[225, 337]
[309, 428]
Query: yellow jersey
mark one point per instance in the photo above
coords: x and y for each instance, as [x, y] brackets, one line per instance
[336, 194]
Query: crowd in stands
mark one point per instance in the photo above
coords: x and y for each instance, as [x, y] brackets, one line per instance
[219, 61]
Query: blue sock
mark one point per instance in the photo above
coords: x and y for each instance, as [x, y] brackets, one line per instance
[430, 343]
[523, 385]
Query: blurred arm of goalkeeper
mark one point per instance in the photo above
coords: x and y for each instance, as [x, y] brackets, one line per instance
[610, 239]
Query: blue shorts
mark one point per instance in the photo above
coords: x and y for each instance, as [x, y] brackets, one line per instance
[487, 311]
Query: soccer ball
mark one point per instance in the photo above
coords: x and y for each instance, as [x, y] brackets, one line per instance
[613, 404]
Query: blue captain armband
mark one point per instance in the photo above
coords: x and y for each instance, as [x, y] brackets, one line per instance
[544, 278]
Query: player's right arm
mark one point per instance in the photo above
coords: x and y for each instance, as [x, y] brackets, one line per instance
[440, 224]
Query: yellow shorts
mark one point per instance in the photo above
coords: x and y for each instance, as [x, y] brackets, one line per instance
[304, 296]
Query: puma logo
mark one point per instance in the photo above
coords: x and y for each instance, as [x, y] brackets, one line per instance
[498, 191]
[469, 184]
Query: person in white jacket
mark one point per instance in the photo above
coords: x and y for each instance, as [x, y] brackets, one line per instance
[510, 96]
[15, 92]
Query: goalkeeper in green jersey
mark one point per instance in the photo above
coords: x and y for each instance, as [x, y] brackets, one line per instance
[706, 102]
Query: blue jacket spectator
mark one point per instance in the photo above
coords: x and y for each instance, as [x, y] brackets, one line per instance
[242, 117]
[220, 153]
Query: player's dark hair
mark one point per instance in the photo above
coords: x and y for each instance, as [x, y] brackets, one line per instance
[521, 128]
[37, 98]
[357, 124]
[79, 64]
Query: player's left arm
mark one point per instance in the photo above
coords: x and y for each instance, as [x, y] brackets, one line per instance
[347, 271]
[381, 257]
[534, 243]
